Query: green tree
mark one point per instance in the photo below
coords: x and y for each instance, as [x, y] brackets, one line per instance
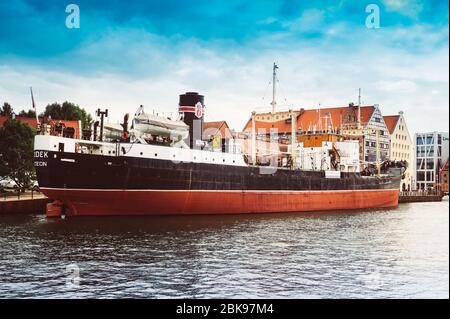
[68, 111]
[29, 113]
[16, 152]
[6, 109]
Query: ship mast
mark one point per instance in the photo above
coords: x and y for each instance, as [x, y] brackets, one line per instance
[274, 79]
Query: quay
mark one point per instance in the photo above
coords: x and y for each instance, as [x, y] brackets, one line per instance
[28, 203]
[413, 197]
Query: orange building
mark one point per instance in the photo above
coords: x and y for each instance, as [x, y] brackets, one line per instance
[326, 119]
[28, 120]
[31, 121]
[331, 120]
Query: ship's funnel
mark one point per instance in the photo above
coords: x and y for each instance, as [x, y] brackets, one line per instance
[192, 107]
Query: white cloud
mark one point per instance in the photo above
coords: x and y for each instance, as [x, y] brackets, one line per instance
[234, 81]
[310, 20]
[409, 8]
[399, 86]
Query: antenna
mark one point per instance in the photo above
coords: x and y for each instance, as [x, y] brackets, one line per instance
[274, 79]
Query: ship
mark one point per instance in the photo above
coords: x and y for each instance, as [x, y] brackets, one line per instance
[162, 166]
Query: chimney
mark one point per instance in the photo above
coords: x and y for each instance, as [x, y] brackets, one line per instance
[191, 105]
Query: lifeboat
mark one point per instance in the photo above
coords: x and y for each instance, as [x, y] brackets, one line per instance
[160, 125]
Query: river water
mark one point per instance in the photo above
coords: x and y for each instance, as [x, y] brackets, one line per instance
[398, 253]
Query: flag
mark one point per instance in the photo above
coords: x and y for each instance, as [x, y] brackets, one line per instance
[32, 99]
[34, 105]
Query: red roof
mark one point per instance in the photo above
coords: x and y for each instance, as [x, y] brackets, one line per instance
[215, 127]
[31, 121]
[391, 122]
[306, 119]
[28, 120]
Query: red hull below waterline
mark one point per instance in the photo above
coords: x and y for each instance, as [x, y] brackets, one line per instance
[163, 202]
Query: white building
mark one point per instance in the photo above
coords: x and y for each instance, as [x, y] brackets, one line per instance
[376, 121]
[401, 148]
[431, 152]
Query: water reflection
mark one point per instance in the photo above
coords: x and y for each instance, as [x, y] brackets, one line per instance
[380, 253]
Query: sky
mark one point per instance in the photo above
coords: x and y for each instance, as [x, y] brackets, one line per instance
[128, 53]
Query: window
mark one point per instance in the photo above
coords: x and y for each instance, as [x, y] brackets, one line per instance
[420, 164]
[430, 163]
[421, 176]
[421, 151]
[419, 140]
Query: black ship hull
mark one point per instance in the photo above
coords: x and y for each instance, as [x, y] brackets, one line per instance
[88, 184]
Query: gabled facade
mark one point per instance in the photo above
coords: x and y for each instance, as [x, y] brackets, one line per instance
[376, 121]
[221, 128]
[401, 146]
[220, 134]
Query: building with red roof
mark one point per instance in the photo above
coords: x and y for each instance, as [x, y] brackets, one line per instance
[31, 121]
[216, 128]
[219, 133]
[331, 120]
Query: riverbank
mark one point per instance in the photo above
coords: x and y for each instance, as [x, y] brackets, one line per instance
[25, 204]
[416, 197]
